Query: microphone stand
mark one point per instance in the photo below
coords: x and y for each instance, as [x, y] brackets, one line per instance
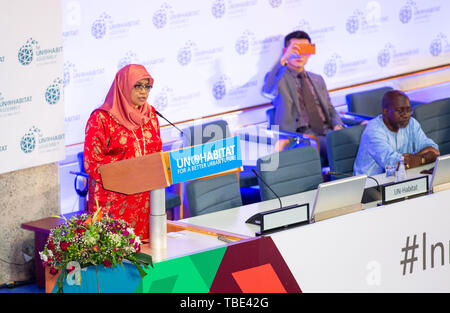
[160, 115]
[348, 175]
[256, 218]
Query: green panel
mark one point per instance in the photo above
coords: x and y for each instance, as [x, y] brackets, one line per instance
[193, 273]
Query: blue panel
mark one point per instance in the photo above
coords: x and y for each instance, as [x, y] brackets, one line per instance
[207, 159]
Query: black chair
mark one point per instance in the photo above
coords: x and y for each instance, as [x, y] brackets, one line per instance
[434, 117]
[81, 178]
[216, 130]
[214, 194]
[342, 147]
[289, 171]
[368, 104]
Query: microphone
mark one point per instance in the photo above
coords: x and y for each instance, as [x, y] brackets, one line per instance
[160, 115]
[279, 199]
[348, 175]
[256, 218]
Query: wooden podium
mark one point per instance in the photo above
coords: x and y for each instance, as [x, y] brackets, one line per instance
[136, 175]
[152, 173]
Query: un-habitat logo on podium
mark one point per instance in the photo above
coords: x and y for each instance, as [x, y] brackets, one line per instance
[204, 160]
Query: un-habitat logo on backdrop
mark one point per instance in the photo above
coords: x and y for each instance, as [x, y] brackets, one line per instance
[223, 87]
[248, 44]
[190, 52]
[439, 45]
[162, 99]
[34, 140]
[29, 140]
[131, 57]
[167, 16]
[337, 65]
[10, 107]
[366, 20]
[390, 56]
[165, 98]
[32, 52]
[105, 26]
[72, 73]
[54, 91]
[412, 12]
[204, 160]
[318, 33]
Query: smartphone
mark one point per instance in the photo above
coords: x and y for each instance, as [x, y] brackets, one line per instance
[306, 48]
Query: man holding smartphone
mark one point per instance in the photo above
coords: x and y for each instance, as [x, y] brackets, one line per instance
[301, 100]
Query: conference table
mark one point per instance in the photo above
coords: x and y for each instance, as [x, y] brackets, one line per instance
[398, 247]
[233, 220]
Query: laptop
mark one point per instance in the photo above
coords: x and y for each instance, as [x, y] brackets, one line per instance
[338, 197]
[441, 173]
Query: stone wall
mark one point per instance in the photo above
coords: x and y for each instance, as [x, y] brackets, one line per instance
[25, 195]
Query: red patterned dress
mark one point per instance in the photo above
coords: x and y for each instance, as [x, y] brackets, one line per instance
[107, 141]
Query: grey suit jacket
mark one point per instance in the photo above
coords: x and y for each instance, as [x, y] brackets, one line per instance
[281, 88]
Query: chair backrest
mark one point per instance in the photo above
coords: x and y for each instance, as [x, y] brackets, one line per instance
[200, 134]
[80, 161]
[213, 194]
[434, 117]
[298, 170]
[342, 147]
[81, 189]
[367, 103]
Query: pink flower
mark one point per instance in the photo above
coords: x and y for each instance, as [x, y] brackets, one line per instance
[107, 263]
[131, 240]
[96, 248]
[125, 233]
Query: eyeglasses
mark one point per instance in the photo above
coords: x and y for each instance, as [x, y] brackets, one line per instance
[140, 87]
[405, 111]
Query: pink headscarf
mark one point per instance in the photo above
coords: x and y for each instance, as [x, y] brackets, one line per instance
[118, 100]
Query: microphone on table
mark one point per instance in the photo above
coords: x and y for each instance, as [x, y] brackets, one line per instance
[266, 184]
[160, 115]
[336, 173]
[256, 218]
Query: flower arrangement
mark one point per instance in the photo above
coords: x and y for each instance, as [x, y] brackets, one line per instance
[86, 240]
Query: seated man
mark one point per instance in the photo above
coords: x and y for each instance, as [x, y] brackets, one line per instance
[301, 99]
[392, 134]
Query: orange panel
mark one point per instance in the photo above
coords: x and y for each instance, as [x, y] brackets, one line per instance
[259, 279]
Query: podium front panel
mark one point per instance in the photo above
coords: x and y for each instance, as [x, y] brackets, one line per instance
[135, 175]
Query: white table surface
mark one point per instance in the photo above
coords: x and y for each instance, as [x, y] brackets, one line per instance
[233, 220]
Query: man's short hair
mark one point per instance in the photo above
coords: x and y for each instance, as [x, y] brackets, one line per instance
[390, 96]
[298, 34]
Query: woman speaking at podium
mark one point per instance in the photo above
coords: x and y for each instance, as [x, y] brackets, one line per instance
[124, 127]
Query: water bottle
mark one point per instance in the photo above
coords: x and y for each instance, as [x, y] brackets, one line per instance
[401, 173]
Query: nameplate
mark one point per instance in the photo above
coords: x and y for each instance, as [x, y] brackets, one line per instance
[204, 160]
[405, 189]
[281, 218]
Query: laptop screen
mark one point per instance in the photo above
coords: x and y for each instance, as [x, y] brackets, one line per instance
[342, 193]
[441, 172]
